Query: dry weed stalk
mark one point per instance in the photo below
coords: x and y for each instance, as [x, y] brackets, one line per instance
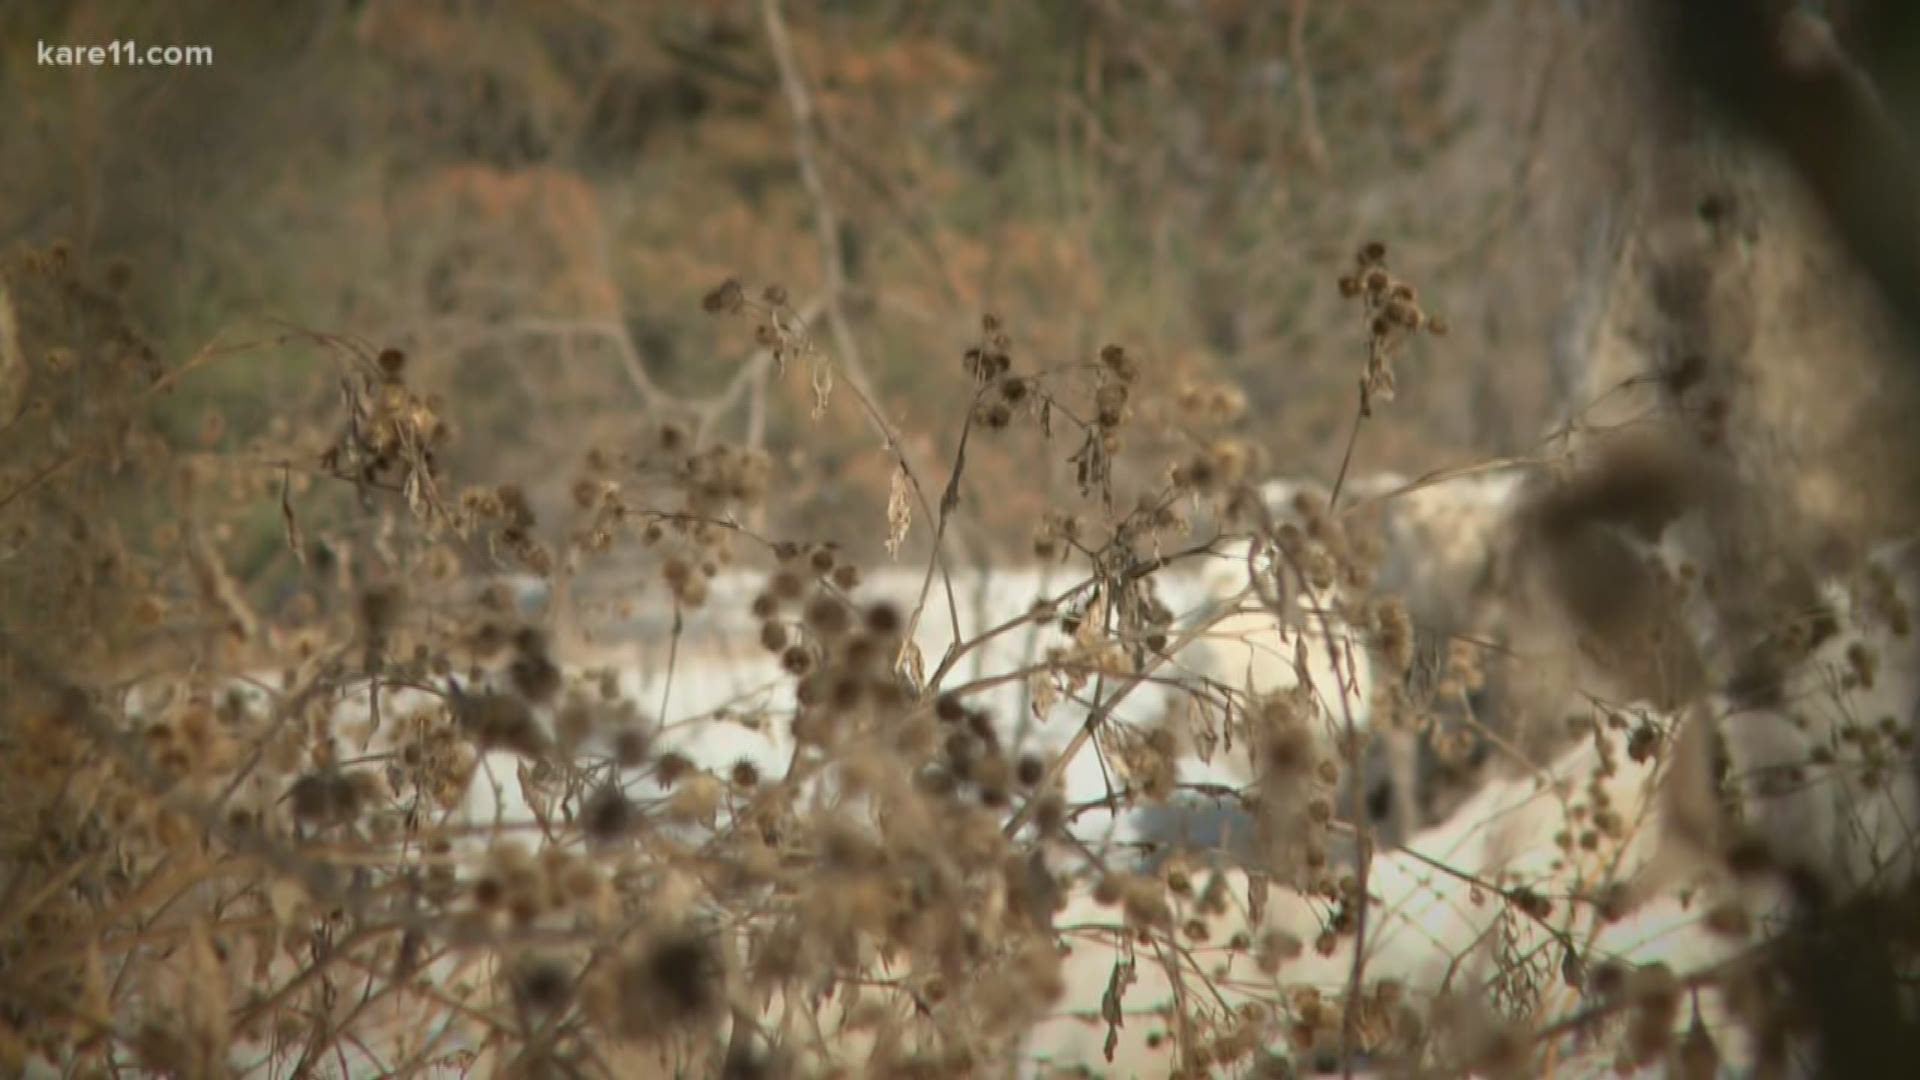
[299, 855]
[296, 854]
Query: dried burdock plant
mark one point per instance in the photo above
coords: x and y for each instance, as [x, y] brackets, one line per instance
[418, 813]
[1392, 313]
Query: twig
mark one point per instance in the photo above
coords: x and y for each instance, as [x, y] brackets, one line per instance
[833, 262]
[1346, 458]
[624, 350]
[1101, 710]
[1311, 138]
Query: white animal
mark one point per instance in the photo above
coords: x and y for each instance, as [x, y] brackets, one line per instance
[1256, 651]
[1440, 543]
[1448, 914]
[1824, 776]
[1441, 540]
[1253, 649]
[1823, 765]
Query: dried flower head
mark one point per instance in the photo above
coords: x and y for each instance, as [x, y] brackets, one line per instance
[667, 985]
[728, 298]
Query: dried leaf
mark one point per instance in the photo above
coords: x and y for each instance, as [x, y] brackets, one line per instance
[1256, 899]
[1110, 1003]
[913, 664]
[539, 801]
[899, 511]
[295, 542]
[822, 386]
[1698, 1057]
[1200, 728]
[1042, 694]
[1093, 622]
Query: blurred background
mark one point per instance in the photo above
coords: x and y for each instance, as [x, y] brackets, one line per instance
[532, 198]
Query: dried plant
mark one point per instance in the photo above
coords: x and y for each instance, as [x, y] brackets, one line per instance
[1392, 770]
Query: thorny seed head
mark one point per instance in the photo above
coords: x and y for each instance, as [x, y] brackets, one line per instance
[670, 982]
[883, 619]
[773, 636]
[727, 298]
[542, 985]
[797, 660]
[631, 747]
[744, 774]
[608, 815]
[672, 767]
